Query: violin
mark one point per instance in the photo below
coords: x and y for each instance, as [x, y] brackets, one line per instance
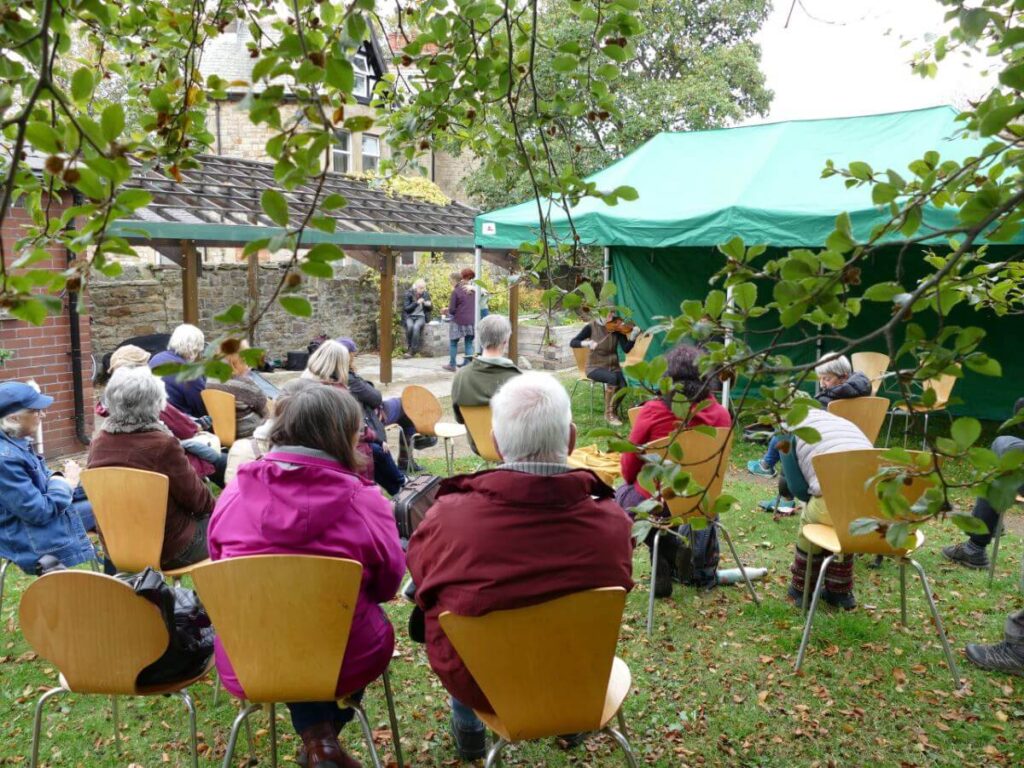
[616, 324]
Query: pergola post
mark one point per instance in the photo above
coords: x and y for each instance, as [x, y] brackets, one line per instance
[387, 311]
[252, 276]
[513, 319]
[190, 282]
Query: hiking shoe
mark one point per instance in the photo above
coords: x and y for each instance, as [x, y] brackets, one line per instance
[759, 468]
[967, 553]
[471, 743]
[844, 600]
[778, 504]
[663, 579]
[1001, 657]
[571, 740]
[447, 367]
[423, 441]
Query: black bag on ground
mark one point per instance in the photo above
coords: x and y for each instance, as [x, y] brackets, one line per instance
[412, 502]
[191, 634]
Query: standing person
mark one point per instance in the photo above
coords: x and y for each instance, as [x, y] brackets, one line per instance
[186, 345]
[38, 513]
[416, 309]
[462, 314]
[251, 407]
[532, 530]
[604, 339]
[306, 497]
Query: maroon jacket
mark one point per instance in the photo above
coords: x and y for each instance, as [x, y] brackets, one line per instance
[502, 539]
[188, 499]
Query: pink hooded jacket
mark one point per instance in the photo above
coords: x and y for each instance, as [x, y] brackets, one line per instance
[302, 504]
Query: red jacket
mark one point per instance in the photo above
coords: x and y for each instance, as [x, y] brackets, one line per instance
[502, 539]
[656, 420]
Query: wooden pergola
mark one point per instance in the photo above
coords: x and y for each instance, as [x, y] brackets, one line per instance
[218, 205]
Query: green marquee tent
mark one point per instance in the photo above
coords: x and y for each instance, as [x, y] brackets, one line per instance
[763, 183]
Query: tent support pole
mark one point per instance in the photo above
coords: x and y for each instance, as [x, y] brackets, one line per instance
[478, 256]
[727, 385]
[513, 319]
[607, 270]
[387, 311]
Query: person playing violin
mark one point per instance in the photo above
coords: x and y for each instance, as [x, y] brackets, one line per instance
[604, 337]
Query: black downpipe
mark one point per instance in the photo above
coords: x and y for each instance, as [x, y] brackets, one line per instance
[77, 380]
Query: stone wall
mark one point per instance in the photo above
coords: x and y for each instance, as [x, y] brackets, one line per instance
[450, 171]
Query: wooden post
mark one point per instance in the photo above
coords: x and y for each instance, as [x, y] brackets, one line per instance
[252, 273]
[513, 319]
[387, 311]
[189, 282]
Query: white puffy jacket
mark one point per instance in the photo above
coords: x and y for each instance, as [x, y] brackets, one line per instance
[837, 434]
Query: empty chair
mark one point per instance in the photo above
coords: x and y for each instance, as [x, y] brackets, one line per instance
[871, 364]
[943, 388]
[424, 411]
[478, 422]
[100, 635]
[581, 355]
[868, 413]
[548, 669]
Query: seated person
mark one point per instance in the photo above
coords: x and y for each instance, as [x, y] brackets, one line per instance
[502, 538]
[416, 309]
[837, 434]
[836, 381]
[603, 362]
[476, 383]
[973, 552]
[133, 436]
[251, 405]
[330, 364]
[150, 343]
[694, 404]
[38, 513]
[186, 346]
[306, 497]
[206, 460]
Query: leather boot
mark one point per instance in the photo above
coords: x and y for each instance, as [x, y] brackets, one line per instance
[320, 743]
[609, 410]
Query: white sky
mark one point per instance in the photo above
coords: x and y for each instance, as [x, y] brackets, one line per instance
[852, 66]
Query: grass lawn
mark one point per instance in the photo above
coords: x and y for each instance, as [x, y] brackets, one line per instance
[714, 687]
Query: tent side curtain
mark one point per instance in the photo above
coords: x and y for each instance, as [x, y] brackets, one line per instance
[654, 282]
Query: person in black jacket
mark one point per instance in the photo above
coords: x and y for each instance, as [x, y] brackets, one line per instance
[416, 308]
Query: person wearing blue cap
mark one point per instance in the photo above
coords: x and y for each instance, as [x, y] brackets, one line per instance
[38, 514]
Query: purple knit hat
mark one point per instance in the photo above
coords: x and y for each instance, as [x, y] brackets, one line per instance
[347, 343]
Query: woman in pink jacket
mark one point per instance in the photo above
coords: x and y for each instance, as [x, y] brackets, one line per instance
[306, 497]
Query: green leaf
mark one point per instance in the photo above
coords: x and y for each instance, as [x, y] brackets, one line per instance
[296, 305]
[863, 526]
[883, 291]
[233, 315]
[615, 53]
[626, 193]
[275, 206]
[112, 121]
[965, 432]
[82, 84]
[340, 74]
[564, 63]
[860, 170]
[134, 198]
[43, 137]
[358, 123]
[325, 252]
[744, 296]
[734, 249]
[807, 434]
[317, 269]
[969, 524]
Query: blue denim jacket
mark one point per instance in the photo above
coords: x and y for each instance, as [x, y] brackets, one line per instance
[36, 515]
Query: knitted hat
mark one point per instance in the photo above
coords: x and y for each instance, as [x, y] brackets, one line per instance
[347, 343]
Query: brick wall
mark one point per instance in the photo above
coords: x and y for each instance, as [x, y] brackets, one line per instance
[43, 353]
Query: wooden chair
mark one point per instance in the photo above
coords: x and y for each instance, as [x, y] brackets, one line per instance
[424, 411]
[221, 407]
[638, 353]
[478, 422]
[260, 607]
[849, 494]
[548, 669]
[582, 355]
[632, 413]
[871, 364]
[100, 635]
[868, 413]
[706, 458]
[131, 508]
[943, 388]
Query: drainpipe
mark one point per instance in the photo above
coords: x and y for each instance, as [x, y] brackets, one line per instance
[77, 379]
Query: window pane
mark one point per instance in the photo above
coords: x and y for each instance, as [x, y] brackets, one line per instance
[341, 161]
[371, 152]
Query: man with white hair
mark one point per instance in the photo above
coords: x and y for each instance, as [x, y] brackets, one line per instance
[186, 346]
[476, 383]
[529, 531]
[416, 308]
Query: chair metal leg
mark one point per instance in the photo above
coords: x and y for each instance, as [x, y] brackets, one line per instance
[624, 744]
[242, 717]
[814, 607]
[906, 429]
[394, 719]
[807, 586]
[4, 565]
[995, 548]
[117, 725]
[736, 557]
[494, 754]
[888, 430]
[622, 723]
[37, 723]
[903, 593]
[272, 715]
[216, 689]
[364, 724]
[924, 435]
[654, 574]
[449, 460]
[193, 738]
[938, 623]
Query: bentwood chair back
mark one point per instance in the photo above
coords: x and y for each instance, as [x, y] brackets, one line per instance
[868, 413]
[100, 635]
[478, 423]
[221, 407]
[872, 365]
[632, 413]
[547, 669]
[581, 355]
[422, 408]
[131, 508]
[706, 458]
[639, 351]
[260, 607]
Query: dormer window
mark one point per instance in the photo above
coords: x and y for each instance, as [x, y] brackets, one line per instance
[363, 74]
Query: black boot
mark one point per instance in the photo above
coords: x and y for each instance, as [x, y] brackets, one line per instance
[1000, 657]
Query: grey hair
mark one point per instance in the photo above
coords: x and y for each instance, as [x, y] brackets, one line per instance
[134, 398]
[531, 418]
[329, 364]
[9, 425]
[421, 283]
[187, 341]
[836, 366]
[493, 331]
